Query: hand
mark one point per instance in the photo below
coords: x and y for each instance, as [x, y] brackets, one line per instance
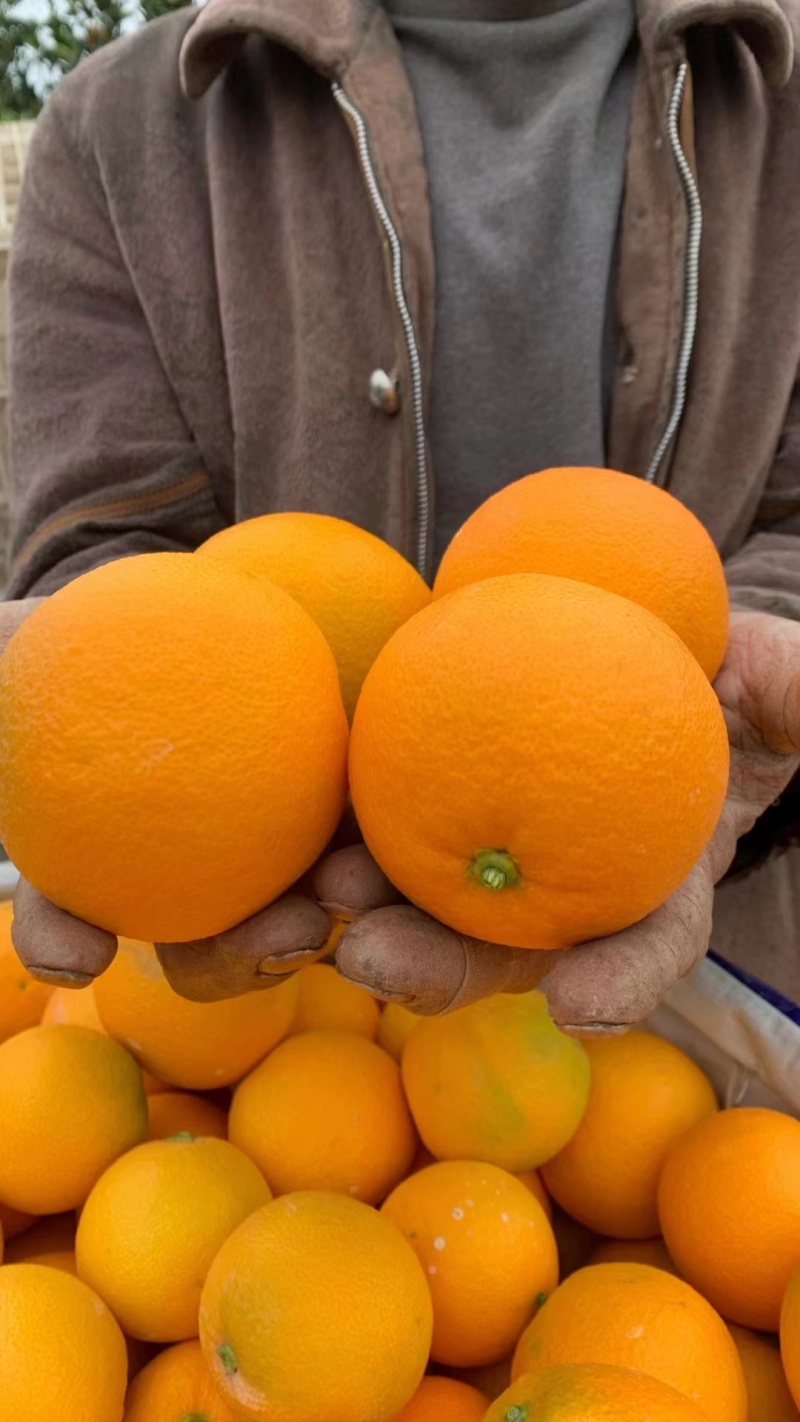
[610, 984]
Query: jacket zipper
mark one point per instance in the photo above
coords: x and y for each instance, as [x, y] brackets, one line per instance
[657, 472]
[398, 292]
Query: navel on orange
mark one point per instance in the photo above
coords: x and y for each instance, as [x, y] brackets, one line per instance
[357, 588]
[172, 746]
[537, 762]
[604, 528]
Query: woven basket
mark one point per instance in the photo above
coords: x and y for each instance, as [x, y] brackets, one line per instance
[14, 139]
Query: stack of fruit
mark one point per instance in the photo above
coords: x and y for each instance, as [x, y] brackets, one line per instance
[294, 1206]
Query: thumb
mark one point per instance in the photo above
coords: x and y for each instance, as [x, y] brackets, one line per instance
[403, 955]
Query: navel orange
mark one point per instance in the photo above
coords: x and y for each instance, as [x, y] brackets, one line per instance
[644, 1094]
[604, 528]
[357, 589]
[62, 1355]
[175, 1112]
[172, 746]
[636, 1317]
[592, 1393]
[22, 998]
[71, 1101]
[537, 762]
[445, 1400]
[729, 1204]
[72, 1007]
[326, 1111]
[316, 1307]
[488, 1253]
[176, 1387]
[394, 1029]
[154, 1222]
[790, 1334]
[496, 1081]
[195, 1045]
[327, 1002]
[768, 1395]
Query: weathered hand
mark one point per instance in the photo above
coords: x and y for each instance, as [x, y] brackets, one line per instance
[612, 983]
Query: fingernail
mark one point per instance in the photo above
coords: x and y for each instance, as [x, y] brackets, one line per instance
[404, 999]
[593, 1029]
[61, 977]
[282, 964]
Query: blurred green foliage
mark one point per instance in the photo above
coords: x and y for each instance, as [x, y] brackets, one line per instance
[35, 54]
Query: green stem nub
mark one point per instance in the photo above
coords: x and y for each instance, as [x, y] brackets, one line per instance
[195, 1417]
[227, 1358]
[494, 869]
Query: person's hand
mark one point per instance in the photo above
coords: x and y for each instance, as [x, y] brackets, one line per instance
[608, 985]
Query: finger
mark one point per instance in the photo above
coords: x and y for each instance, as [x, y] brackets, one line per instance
[289, 934]
[54, 946]
[402, 954]
[618, 981]
[12, 615]
[349, 883]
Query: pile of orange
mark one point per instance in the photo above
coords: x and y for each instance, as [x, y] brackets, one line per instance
[298, 1204]
[568, 1239]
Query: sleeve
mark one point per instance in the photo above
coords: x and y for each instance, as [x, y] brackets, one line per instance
[103, 464]
[764, 574]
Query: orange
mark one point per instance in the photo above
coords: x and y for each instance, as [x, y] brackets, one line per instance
[591, 1393]
[445, 1400]
[790, 1334]
[153, 1224]
[51, 1241]
[608, 529]
[326, 1111]
[325, 1001]
[488, 1253]
[768, 1395]
[537, 762]
[316, 1307]
[729, 1203]
[357, 589]
[196, 1045]
[71, 1101]
[172, 1112]
[633, 1316]
[633, 1251]
[533, 1180]
[22, 998]
[61, 1353]
[176, 1387]
[172, 746]
[394, 1029]
[496, 1081]
[73, 1007]
[13, 1222]
[644, 1094]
